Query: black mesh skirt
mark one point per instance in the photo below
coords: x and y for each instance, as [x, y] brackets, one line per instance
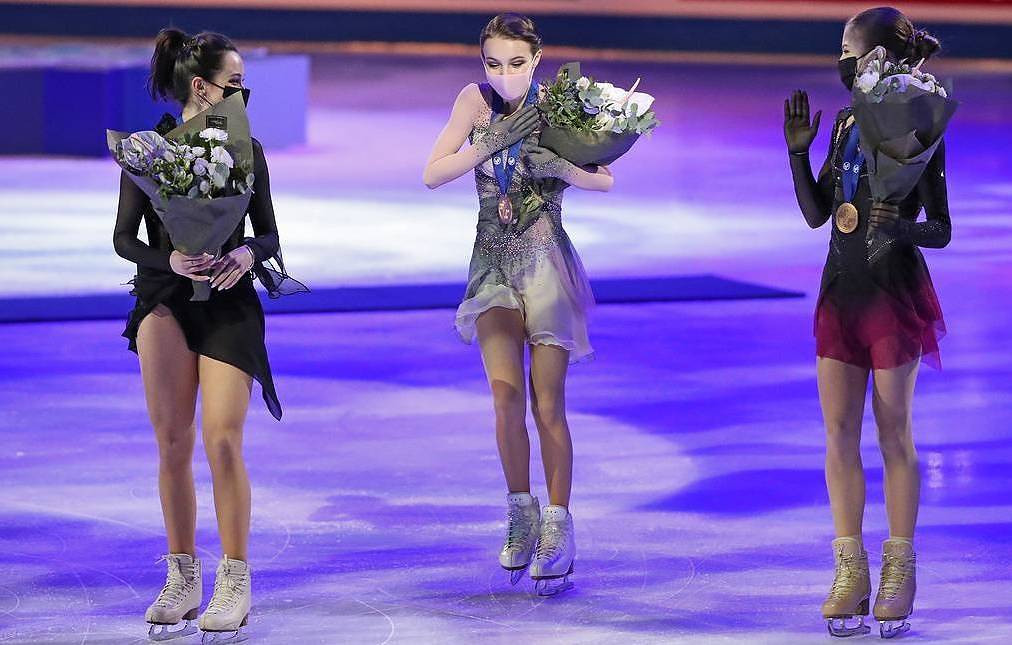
[229, 327]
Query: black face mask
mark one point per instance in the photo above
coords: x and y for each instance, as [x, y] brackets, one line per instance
[848, 71]
[229, 90]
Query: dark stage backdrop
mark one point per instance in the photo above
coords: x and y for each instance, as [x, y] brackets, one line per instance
[970, 29]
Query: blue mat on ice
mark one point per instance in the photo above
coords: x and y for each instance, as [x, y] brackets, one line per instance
[398, 297]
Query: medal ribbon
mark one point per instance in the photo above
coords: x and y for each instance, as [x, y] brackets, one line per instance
[853, 161]
[505, 164]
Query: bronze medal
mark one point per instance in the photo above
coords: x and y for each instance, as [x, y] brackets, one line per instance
[846, 218]
[505, 210]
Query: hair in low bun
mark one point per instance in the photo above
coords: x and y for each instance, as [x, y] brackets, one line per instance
[890, 28]
[923, 45]
[178, 58]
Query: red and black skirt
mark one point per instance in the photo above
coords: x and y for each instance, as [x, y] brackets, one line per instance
[863, 322]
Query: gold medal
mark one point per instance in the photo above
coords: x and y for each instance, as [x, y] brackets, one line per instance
[846, 218]
[505, 210]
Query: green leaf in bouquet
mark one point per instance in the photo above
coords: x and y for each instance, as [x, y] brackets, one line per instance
[647, 123]
[563, 103]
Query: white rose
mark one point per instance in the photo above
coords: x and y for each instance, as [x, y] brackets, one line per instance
[866, 82]
[213, 134]
[200, 166]
[870, 69]
[582, 83]
[613, 95]
[220, 155]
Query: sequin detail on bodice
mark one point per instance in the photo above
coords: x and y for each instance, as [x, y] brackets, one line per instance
[510, 249]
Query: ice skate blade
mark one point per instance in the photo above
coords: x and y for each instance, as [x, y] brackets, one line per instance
[893, 628]
[553, 585]
[516, 575]
[223, 638]
[548, 587]
[839, 628]
[160, 632]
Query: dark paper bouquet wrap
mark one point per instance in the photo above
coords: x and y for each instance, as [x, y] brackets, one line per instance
[591, 122]
[901, 114]
[199, 177]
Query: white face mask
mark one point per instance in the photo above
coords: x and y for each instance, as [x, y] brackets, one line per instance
[512, 86]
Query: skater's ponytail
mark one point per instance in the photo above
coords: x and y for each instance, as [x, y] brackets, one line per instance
[890, 28]
[512, 26]
[178, 58]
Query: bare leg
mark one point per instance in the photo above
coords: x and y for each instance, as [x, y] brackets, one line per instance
[225, 393]
[842, 391]
[501, 335]
[169, 372]
[548, 402]
[893, 405]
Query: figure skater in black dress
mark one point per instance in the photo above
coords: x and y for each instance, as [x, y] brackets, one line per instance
[879, 318]
[217, 344]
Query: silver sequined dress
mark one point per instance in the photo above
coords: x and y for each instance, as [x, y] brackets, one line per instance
[528, 265]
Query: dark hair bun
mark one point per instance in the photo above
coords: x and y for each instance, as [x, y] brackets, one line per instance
[888, 27]
[924, 45]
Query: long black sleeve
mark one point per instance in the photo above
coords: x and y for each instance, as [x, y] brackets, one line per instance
[815, 196]
[265, 242]
[936, 231]
[132, 204]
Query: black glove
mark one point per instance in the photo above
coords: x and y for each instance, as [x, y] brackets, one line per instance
[799, 130]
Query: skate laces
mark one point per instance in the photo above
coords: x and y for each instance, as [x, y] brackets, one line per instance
[551, 540]
[894, 575]
[517, 528]
[227, 589]
[176, 586]
[847, 575]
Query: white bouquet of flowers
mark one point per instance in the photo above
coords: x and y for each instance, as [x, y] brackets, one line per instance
[197, 165]
[881, 76]
[901, 114]
[198, 177]
[592, 122]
